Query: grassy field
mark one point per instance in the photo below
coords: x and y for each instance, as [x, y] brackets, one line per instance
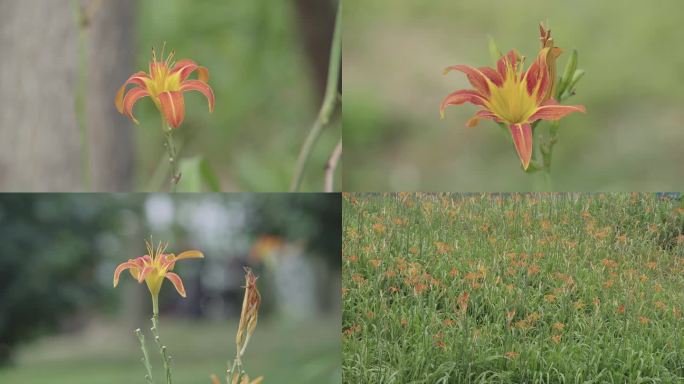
[513, 289]
[283, 352]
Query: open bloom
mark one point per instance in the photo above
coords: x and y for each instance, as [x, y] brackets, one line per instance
[154, 267]
[517, 98]
[165, 84]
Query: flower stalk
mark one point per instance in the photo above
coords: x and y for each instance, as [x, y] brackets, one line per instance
[166, 358]
[153, 268]
[173, 155]
[145, 359]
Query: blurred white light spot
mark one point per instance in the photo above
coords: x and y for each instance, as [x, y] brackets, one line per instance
[159, 211]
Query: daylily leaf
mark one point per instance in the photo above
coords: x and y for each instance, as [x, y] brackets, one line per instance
[209, 177]
[197, 173]
[494, 50]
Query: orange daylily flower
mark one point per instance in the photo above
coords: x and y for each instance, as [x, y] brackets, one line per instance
[514, 97]
[165, 84]
[154, 267]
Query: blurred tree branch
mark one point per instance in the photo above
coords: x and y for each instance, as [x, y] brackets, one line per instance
[331, 166]
[315, 22]
[329, 103]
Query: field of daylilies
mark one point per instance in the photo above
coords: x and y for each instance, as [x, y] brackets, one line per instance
[521, 288]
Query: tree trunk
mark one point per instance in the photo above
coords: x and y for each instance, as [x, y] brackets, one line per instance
[41, 142]
[110, 61]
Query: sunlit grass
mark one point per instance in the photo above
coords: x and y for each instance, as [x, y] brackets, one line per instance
[513, 289]
[283, 351]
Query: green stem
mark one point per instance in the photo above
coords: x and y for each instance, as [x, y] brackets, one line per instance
[173, 155]
[166, 358]
[146, 357]
[328, 107]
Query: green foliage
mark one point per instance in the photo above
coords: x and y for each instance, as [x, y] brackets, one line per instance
[196, 173]
[47, 262]
[443, 288]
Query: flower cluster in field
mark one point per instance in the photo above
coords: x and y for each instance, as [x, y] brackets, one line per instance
[512, 288]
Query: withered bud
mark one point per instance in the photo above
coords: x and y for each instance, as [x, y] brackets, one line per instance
[250, 312]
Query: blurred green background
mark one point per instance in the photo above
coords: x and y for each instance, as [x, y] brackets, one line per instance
[62, 321]
[265, 81]
[394, 53]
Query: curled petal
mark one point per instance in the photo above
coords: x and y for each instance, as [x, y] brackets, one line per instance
[193, 254]
[460, 97]
[486, 114]
[473, 121]
[120, 268]
[186, 67]
[553, 111]
[177, 282]
[477, 79]
[130, 99]
[173, 107]
[522, 138]
[138, 79]
[482, 114]
[537, 76]
[200, 86]
[202, 74]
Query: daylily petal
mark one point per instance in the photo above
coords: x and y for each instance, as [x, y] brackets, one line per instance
[472, 122]
[173, 107]
[485, 114]
[492, 75]
[193, 254]
[200, 86]
[477, 79]
[138, 79]
[177, 282]
[553, 111]
[130, 99]
[157, 68]
[120, 268]
[511, 57]
[481, 114]
[186, 67]
[537, 76]
[460, 97]
[522, 138]
[143, 274]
